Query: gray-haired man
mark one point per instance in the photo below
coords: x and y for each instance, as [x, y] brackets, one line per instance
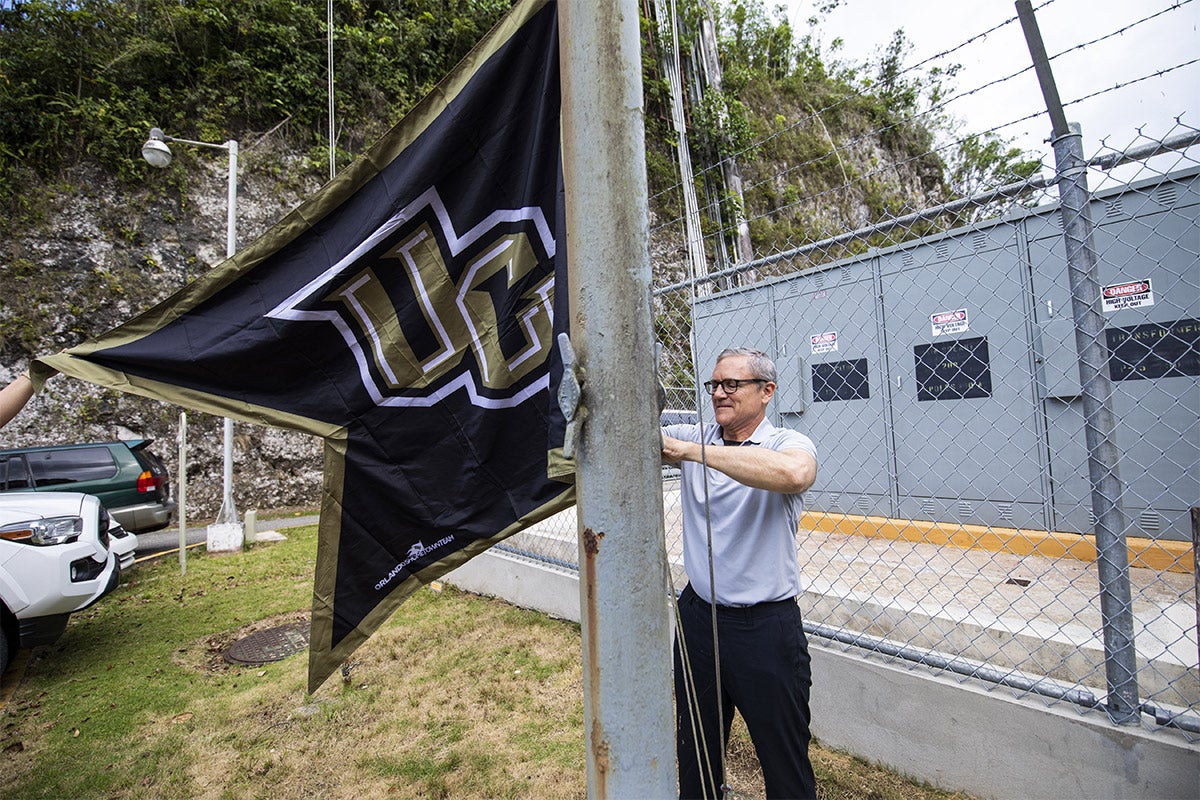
[755, 479]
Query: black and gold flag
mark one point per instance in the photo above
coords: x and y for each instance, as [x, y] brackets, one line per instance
[404, 313]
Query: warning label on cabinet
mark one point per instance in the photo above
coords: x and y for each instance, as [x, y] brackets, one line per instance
[1130, 294]
[824, 342]
[944, 323]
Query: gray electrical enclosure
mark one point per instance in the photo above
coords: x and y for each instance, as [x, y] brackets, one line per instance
[939, 378]
[830, 346]
[1147, 238]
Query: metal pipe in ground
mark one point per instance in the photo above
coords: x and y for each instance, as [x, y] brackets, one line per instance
[629, 722]
[181, 493]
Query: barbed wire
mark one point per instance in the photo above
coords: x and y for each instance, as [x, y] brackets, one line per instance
[948, 147]
[1120, 31]
[1115, 87]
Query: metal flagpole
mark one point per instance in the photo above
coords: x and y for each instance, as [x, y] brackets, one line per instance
[626, 626]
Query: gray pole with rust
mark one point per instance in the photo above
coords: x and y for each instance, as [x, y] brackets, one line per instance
[624, 610]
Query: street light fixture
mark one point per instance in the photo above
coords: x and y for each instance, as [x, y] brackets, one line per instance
[226, 533]
[155, 150]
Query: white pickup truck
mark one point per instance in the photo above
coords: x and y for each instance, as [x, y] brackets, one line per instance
[57, 556]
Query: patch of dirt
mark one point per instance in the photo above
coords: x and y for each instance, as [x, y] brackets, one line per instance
[206, 655]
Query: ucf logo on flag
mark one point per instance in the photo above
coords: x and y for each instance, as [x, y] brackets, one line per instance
[404, 313]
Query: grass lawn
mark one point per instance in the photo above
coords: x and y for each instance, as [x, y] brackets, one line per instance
[457, 696]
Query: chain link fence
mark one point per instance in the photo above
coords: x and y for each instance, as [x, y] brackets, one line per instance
[1004, 389]
[954, 519]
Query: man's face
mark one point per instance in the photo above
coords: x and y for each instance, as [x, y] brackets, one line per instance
[748, 405]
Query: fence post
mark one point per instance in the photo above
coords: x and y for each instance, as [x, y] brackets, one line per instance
[1116, 605]
[1195, 512]
[629, 722]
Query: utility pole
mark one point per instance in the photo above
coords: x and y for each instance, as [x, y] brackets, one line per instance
[623, 594]
[731, 173]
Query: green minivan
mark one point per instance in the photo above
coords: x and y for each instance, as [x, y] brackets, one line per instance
[129, 479]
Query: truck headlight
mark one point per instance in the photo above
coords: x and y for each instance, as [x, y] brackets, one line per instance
[44, 532]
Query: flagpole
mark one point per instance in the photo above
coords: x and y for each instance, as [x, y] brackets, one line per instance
[626, 626]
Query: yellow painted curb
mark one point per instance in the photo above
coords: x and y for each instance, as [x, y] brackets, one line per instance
[1159, 555]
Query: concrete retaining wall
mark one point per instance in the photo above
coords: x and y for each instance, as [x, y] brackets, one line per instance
[950, 733]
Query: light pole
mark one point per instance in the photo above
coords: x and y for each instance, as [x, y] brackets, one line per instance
[226, 532]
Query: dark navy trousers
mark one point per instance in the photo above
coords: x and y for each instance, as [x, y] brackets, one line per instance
[766, 674]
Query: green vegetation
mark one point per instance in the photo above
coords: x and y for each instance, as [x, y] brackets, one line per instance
[84, 80]
[459, 696]
[819, 141]
[456, 696]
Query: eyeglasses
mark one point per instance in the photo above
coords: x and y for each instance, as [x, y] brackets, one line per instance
[730, 385]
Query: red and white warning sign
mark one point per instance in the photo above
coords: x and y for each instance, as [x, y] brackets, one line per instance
[824, 342]
[946, 322]
[1130, 294]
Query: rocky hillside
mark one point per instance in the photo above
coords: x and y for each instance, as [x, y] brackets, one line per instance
[101, 253]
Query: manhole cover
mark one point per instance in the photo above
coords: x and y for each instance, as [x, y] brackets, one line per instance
[273, 644]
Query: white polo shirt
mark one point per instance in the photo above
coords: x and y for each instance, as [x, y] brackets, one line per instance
[753, 530]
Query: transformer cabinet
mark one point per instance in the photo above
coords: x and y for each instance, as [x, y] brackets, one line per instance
[940, 381]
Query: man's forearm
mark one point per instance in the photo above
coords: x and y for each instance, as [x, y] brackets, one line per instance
[786, 471]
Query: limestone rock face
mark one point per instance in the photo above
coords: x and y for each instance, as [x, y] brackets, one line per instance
[102, 254]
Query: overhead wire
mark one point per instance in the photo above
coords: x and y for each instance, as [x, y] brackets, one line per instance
[940, 106]
[329, 72]
[944, 53]
[1033, 115]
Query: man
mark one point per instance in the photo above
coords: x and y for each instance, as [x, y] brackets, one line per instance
[751, 497]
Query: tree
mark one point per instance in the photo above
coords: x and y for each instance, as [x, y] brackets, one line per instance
[985, 161]
[85, 79]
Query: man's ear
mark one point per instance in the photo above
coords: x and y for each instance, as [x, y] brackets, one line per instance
[768, 390]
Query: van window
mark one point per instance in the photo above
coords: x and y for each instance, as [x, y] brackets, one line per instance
[13, 474]
[52, 467]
